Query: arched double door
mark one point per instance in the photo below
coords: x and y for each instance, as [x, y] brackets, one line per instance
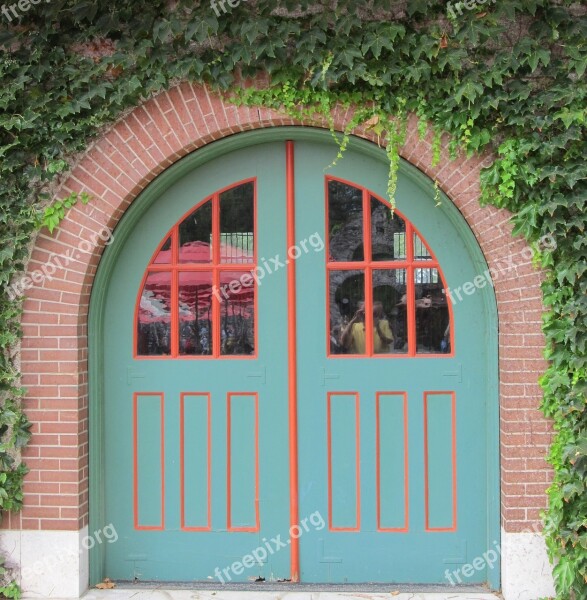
[288, 391]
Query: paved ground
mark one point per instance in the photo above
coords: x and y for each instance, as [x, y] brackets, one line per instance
[141, 593]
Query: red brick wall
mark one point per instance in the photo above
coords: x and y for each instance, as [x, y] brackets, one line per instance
[121, 164]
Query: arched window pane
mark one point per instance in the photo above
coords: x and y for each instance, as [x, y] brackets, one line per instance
[154, 319]
[164, 255]
[432, 314]
[237, 313]
[195, 313]
[237, 224]
[195, 236]
[347, 312]
[420, 250]
[388, 233]
[390, 318]
[345, 222]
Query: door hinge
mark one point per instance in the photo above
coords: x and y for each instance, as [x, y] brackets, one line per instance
[133, 374]
[325, 375]
[261, 374]
[326, 559]
[458, 373]
[460, 555]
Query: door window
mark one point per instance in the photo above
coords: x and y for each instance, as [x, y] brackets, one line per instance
[198, 296]
[386, 290]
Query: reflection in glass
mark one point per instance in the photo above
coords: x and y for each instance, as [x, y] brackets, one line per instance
[237, 313]
[154, 322]
[347, 312]
[388, 233]
[237, 223]
[432, 315]
[195, 313]
[195, 235]
[420, 250]
[164, 255]
[345, 222]
[390, 316]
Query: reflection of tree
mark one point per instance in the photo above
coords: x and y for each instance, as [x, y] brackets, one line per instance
[195, 318]
[197, 227]
[388, 233]
[237, 329]
[195, 340]
[154, 338]
[237, 212]
[194, 336]
[345, 221]
[343, 200]
[154, 322]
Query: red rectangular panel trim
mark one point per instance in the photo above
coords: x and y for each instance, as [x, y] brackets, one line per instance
[406, 526]
[183, 525]
[329, 395]
[229, 525]
[453, 527]
[137, 525]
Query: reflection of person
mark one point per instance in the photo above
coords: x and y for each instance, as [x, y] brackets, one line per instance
[445, 341]
[425, 302]
[335, 347]
[353, 335]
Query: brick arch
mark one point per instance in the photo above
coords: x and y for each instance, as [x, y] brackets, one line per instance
[115, 169]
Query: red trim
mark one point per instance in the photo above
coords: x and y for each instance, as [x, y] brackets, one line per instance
[450, 316]
[368, 266]
[327, 250]
[410, 292]
[368, 280]
[254, 265]
[215, 266]
[377, 265]
[329, 395]
[216, 337]
[204, 267]
[229, 526]
[292, 374]
[174, 313]
[453, 527]
[406, 526]
[183, 526]
[136, 461]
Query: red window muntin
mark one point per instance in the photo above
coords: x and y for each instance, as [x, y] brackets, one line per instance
[368, 265]
[216, 267]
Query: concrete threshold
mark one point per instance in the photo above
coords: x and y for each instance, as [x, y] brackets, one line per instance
[267, 591]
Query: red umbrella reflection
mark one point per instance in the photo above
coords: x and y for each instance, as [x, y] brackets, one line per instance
[201, 252]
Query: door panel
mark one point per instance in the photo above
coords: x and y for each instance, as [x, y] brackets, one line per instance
[197, 464]
[414, 504]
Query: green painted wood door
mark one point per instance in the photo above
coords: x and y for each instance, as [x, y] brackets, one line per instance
[393, 384]
[196, 445]
[392, 446]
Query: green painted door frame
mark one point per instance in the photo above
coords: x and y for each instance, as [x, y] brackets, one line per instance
[144, 202]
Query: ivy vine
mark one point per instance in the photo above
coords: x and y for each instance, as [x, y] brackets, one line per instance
[506, 76]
